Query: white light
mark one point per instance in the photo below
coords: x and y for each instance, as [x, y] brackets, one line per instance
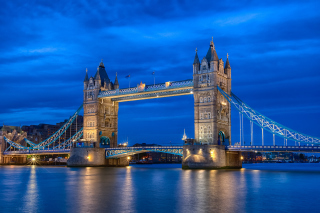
[33, 159]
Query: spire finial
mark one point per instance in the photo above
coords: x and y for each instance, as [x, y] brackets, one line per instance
[227, 55]
[212, 38]
[101, 60]
[196, 50]
[86, 70]
[116, 74]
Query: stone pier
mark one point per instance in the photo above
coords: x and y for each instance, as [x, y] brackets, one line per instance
[13, 160]
[83, 157]
[210, 157]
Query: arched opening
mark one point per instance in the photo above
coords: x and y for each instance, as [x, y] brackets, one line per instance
[104, 141]
[221, 136]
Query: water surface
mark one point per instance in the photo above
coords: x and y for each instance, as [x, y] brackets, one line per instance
[160, 188]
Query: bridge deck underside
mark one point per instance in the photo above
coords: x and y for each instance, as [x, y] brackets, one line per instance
[123, 152]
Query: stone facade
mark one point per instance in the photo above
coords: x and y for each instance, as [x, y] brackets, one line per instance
[100, 115]
[87, 157]
[210, 157]
[212, 112]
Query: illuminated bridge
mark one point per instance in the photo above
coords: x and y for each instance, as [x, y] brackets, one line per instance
[213, 99]
[49, 146]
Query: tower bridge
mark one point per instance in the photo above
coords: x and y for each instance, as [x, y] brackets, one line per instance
[212, 146]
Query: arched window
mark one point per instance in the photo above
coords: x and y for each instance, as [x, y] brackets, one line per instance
[209, 99]
[209, 115]
[201, 99]
[221, 136]
[104, 140]
[205, 100]
[201, 116]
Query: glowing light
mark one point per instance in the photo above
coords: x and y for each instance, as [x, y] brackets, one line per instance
[241, 158]
[212, 154]
[88, 157]
[128, 158]
[33, 159]
[223, 103]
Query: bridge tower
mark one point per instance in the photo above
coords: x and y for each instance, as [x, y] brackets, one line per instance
[212, 115]
[100, 115]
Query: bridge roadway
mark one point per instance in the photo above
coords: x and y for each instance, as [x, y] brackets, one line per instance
[120, 152]
[315, 149]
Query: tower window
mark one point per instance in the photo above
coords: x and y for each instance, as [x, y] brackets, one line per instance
[201, 99]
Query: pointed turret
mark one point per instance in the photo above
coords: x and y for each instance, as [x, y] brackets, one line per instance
[86, 78]
[227, 67]
[97, 76]
[196, 58]
[116, 83]
[196, 63]
[212, 54]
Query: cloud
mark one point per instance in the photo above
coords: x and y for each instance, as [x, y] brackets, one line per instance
[46, 47]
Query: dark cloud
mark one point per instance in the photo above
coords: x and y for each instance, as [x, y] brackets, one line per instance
[47, 45]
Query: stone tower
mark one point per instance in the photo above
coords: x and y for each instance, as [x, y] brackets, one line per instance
[212, 115]
[100, 123]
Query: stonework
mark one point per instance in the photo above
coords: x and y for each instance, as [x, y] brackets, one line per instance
[210, 157]
[212, 115]
[100, 115]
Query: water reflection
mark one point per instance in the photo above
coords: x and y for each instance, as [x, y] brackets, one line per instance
[156, 189]
[31, 196]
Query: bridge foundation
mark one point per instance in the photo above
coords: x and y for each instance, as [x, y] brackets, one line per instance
[13, 160]
[82, 156]
[210, 157]
[119, 162]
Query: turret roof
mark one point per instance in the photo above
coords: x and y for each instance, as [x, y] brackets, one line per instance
[212, 54]
[86, 78]
[116, 80]
[227, 64]
[196, 58]
[103, 76]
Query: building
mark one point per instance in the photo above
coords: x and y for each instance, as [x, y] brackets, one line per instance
[212, 117]
[100, 119]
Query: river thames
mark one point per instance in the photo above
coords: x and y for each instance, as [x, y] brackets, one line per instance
[160, 188]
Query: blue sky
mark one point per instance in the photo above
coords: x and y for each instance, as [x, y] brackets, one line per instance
[47, 45]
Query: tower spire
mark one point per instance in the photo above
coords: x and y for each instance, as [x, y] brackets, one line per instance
[196, 58]
[101, 63]
[86, 78]
[227, 63]
[116, 83]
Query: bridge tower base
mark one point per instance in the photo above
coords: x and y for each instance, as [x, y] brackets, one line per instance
[210, 157]
[82, 156]
[89, 157]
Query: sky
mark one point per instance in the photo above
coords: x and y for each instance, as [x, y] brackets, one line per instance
[46, 46]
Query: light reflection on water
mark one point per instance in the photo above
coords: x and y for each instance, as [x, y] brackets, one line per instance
[160, 188]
